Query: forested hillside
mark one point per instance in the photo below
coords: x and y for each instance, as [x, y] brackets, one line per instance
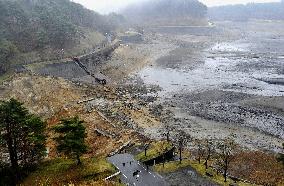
[162, 12]
[37, 25]
[273, 11]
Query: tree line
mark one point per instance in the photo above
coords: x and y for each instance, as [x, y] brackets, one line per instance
[218, 154]
[23, 141]
[222, 150]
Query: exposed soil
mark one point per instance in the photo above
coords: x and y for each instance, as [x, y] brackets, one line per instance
[223, 82]
[111, 111]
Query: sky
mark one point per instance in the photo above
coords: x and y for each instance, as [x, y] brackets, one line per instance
[107, 6]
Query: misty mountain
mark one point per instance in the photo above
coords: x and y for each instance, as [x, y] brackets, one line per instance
[34, 25]
[166, 12]
[273, 11]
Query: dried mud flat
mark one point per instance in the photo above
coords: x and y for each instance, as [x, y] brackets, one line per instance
[221, 83]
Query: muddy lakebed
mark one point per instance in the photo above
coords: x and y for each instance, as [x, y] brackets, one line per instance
[211, 82]
[226, 83]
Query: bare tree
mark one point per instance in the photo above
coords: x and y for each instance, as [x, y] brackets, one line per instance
[226, 150]
[165, 149]
[146, 143]
[200, 149]
[182, 140]
[167, 131]
[209, 150]
[146, 147]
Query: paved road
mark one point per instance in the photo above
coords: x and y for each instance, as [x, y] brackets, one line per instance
[143, 178]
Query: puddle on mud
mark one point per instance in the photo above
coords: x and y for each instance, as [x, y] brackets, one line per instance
[216, 73]
[231, 47]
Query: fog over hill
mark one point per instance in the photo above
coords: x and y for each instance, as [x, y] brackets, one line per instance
[35, 25]
[166, 12]
[273, 11]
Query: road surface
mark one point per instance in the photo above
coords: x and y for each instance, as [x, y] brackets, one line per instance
[129, 166]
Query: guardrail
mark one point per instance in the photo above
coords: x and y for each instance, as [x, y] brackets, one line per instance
[111, 176]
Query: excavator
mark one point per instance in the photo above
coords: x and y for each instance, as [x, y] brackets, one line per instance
[82, 66]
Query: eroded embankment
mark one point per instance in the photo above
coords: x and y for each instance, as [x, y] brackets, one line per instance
[110, 113]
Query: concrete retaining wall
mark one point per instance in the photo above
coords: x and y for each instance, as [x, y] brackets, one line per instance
[69, 70]
[169, 155]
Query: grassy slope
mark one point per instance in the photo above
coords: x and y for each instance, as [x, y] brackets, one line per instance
[155, 150]
[65, 171]
[171, 166]
[200, 168]
[218, 178]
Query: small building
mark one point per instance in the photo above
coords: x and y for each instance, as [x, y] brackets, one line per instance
[131, 37]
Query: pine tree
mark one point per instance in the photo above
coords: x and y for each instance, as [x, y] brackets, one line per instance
[34, 135]
[71, 138]
[22, 135]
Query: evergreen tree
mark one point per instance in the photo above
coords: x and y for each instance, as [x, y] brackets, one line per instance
[22, 135]
[34, 135]
[71, 138]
